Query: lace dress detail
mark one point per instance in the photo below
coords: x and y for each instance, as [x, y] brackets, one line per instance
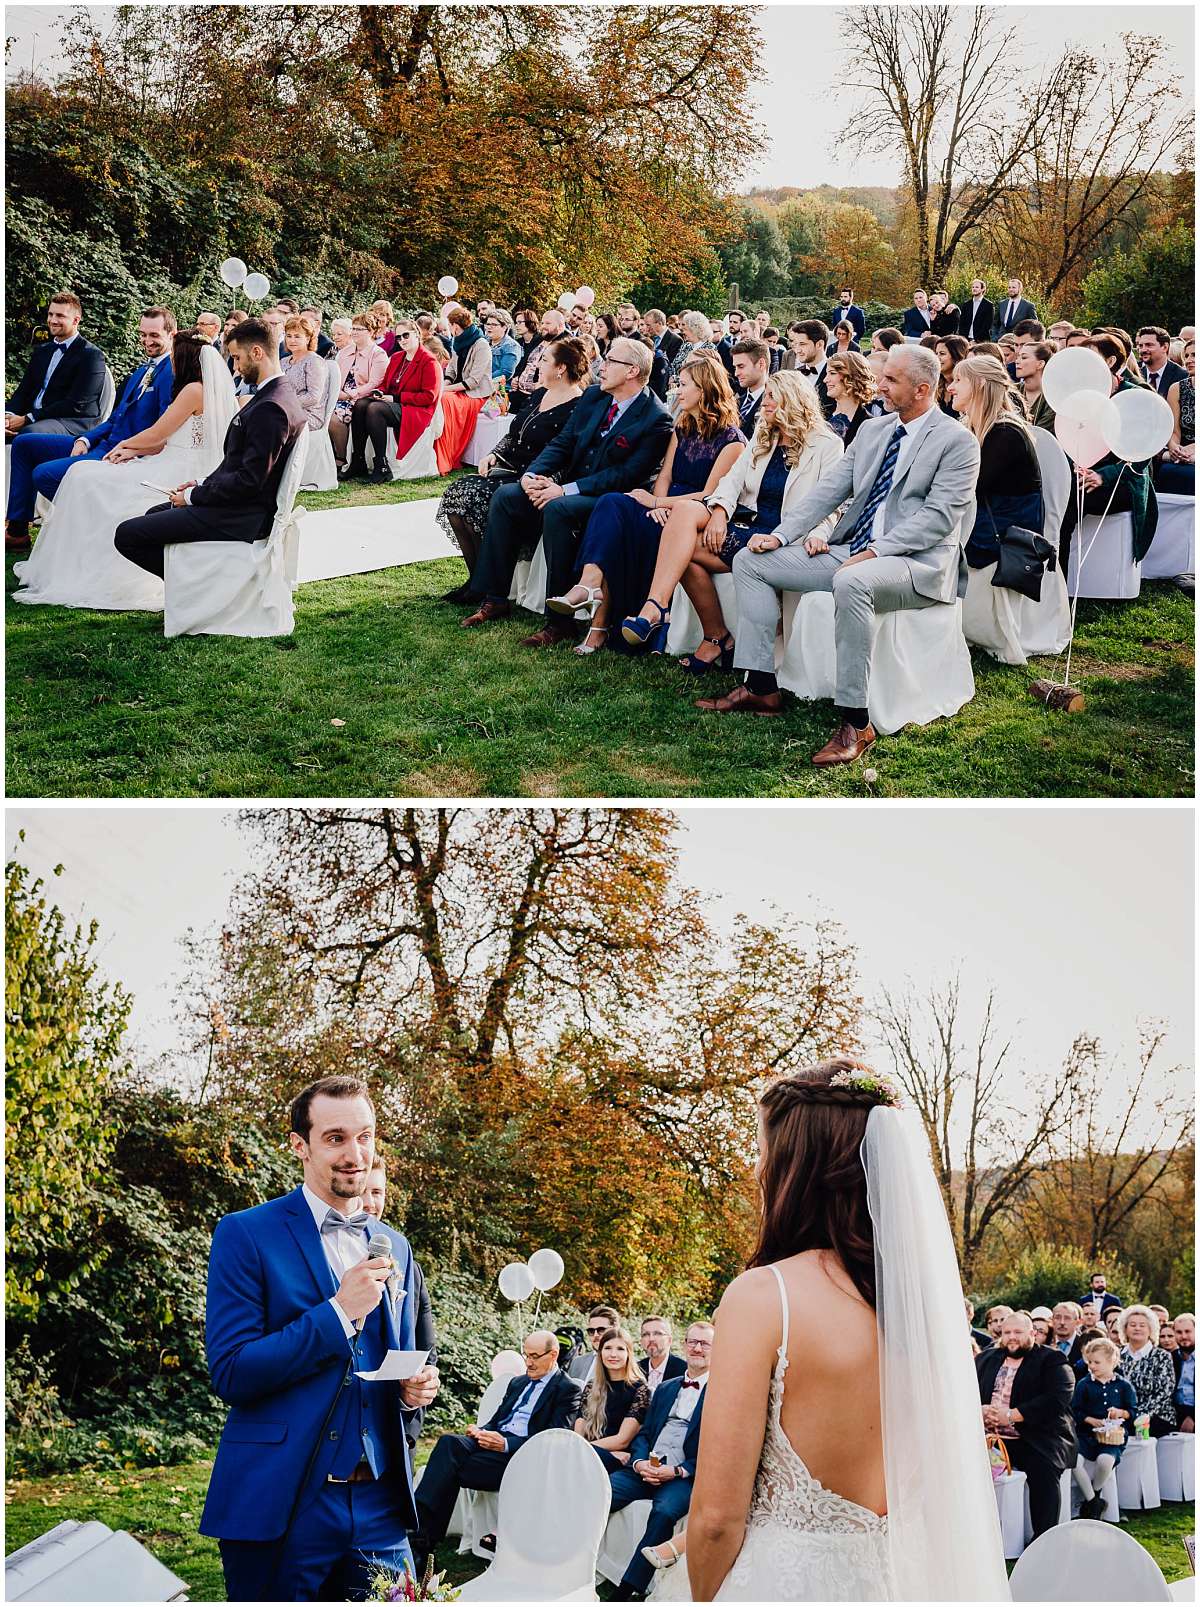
[803, 1542]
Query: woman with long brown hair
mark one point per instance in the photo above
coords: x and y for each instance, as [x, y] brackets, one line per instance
[847, 1469]
[615, 1400]
[617, 557]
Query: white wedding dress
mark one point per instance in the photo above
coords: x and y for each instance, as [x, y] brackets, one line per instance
[74, 562]
[940, 1540]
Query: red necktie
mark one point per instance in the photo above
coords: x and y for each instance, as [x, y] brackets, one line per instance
[608, 418]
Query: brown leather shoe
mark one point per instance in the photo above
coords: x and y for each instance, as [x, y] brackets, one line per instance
[548, 636]
[846, 745]
[16, 536]
[743, 701]
[485, 613]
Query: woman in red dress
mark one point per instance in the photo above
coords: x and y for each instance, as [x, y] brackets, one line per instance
[469, 384]
[405, 402]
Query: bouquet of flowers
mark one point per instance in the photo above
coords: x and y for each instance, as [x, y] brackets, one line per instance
[386, 1585]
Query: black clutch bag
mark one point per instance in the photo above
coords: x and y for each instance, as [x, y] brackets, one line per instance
[1023, 558]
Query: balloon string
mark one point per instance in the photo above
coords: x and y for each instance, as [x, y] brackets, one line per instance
[1083, 556]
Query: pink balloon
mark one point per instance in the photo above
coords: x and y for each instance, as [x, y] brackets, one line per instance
[585, 296]
[1080, 440]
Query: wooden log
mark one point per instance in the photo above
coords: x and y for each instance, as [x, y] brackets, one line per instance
[1066, 699]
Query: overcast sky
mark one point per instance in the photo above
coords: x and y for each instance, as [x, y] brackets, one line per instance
[804, 57]
[1081, 917]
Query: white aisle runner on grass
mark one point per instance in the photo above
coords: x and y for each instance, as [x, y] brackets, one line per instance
[354, 541]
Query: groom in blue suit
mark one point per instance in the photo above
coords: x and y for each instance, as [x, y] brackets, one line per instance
[312, 1482]
[40, 461]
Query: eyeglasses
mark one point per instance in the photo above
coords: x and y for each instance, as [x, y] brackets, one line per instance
[624, 361]
[603, 1329]
[698, 1344]
[534, 1355]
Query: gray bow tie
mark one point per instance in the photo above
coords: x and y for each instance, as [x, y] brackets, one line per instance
[335, 1220]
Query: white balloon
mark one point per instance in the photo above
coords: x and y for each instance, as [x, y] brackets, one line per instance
[447, 308]
[1075, 368]
[1141, 425]
[1080, 423]
[256, 286]
[507, 1362]
[566, 301]
[516, 1281]
[447, 285]
[546, 1267]
[233, 271]
[585, 296]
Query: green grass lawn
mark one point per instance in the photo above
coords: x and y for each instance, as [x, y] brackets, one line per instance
[161, 1507]
[100, 705]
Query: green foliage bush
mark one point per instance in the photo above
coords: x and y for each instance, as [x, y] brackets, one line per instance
[1042, 1274]
[1155, 283]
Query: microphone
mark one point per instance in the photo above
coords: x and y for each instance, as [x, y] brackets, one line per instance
[379, 1247]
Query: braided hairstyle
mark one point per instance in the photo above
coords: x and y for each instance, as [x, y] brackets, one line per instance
[814, 1189]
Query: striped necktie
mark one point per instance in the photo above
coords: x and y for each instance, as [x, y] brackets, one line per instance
[883, 484]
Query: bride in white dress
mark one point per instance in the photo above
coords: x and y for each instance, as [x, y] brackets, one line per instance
[841, 1455]
[74, 561]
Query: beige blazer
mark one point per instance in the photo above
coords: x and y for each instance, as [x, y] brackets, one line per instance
[739, 488]
[476, 377]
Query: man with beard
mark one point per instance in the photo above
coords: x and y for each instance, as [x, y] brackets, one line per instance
[1184, 1358]
[1025, 1390]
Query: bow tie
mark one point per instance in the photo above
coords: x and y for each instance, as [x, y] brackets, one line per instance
[807, 368]
[691, 1383]
[335, 1220]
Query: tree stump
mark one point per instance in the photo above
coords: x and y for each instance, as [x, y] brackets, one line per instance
[1067, 699]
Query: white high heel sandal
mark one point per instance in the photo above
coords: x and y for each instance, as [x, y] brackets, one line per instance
[587, 609]
[652, 1557]
[582, 649]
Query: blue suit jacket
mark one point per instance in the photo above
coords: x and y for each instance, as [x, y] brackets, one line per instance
[913, 323]
[850, 315]
[277, 1354]
[133, 412]
[629, 455]
[661, 1403]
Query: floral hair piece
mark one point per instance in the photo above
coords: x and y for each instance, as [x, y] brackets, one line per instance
[868, 1082]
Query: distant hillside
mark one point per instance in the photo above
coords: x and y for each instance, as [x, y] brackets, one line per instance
[877, 198]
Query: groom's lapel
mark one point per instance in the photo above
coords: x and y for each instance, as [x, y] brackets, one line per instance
[308, 1238]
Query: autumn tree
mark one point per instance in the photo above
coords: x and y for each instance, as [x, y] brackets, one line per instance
[558, 1037]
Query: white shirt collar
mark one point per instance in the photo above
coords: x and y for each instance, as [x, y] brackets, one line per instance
[61, 346]
[1140, 1350]
[914, 429]
[317, 1206]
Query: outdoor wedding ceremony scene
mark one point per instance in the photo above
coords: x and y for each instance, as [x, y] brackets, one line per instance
[506, 401]
[579, 1203]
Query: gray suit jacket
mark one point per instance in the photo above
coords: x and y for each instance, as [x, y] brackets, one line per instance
[929, 510]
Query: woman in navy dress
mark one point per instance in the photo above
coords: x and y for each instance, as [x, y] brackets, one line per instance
[620, 548]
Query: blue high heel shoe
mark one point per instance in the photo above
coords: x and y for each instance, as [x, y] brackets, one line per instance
[701, 666]
[639, 632]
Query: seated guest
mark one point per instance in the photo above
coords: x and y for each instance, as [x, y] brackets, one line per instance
[696, 332]
[1175, 471]
[1008, 354]
[605, 330]
[842, 339]
[304, 371]
[1029, 329]
[39, 462]
[506, 354]
[525, 332]
[404, 402]
[808, 340]
[1056, 335]
[1078, 337]
[232, 320]
[617, 558]
[209, 326]
[662, 1459]
[945, 314]
[1041, 1325]
[975, 317]
[1183, 1361]
[1008, 489]
[654, 324]
[236, 502]
[918, 319]
[1101, 1397]
[615, 1400]
[659, 367]
[770, 337]
[427, 325]
[276, 318]
[463, 512]
[614, 440]
[524, 381]
[341, 333]
[362, 364]
[988, 348]
[1065, 1321]
[884, 339]
[1089, 1312]
[468, 385]
[892, 547]
[385, 322]
[440, 354]
[979, 1336]
[1148, 1369]
[994, 1320]
[847, 312]
[1032, 357]
[852, 388]
[477, 1460]
[877, 362]
[949, 351]
[1154, 355]
[597, 1323]
[1112, 1321]
[325, 347]
[659, 1363]
[1166, 1335]
[1026, 1390]
[751, 367]
[1133, 482]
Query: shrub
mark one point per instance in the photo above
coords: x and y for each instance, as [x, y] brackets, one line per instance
[1155, 283]
[1043, 1274]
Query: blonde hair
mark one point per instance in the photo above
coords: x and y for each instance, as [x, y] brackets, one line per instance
[306, 327]
[798, 416]
[717, 409]
[1138, 1311]
[857, 375]
[1101, 1347]
[595, 1409]
[993, 396]
[696, 327]
[384, 308]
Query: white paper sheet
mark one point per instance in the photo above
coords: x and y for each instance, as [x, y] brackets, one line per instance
[397, 1364]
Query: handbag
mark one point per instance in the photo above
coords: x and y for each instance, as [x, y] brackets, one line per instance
[1023, 556]
[998, 1457]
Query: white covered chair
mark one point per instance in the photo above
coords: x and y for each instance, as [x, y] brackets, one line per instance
[420, 461]
[529, 582]
[490, 430]
[1106, 552]
[1087, 1561]
[1012, 627]
[476, 1511]
[1137, 1476]
[1012, 1505]
[554, 1502]
[108, 400]
[320, 472]
[1177, 1467]
[238, 588]
[1071, 1496]
[1173, 550]
[622, 1535]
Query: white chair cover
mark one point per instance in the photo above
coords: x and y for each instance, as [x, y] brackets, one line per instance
[1137, 1476]
[108, 394]
[420, 461]
[1087, 1561]
[320, 473]
[1177, 1467]
[476, 1511]
[1108, 566]
[529, 582]
[554, 1501]
[489, 432]
[1173, 550]
[238, 588]
[1012, 627]
[622, 1536]
[1070, 1496]
[1011, 1498]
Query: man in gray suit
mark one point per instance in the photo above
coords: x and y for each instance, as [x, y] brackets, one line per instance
[909, 478]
